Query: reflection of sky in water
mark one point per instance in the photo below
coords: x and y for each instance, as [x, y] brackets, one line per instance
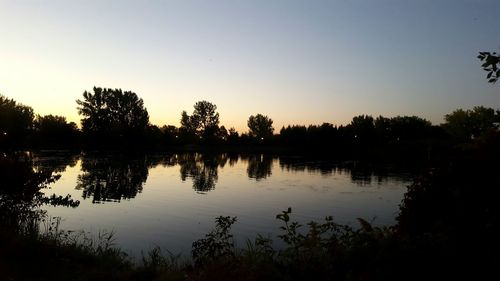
[169, 213]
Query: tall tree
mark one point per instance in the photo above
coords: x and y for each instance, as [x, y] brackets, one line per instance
[114, 113]
[204, 121]
[260, 126]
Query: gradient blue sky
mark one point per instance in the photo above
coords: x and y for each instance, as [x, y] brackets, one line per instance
[299, 62]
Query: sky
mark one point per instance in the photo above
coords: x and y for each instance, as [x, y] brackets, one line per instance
[296, 61]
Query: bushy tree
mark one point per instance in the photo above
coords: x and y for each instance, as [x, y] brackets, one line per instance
[260, 126]
[466, 125]
[113, 113]
[363, 127]
[204, 122]
[52, 130]
[402, 127]
[16, 122]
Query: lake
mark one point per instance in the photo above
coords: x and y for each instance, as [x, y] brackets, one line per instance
[171, 200]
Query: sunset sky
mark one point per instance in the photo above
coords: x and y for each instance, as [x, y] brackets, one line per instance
[299, 62]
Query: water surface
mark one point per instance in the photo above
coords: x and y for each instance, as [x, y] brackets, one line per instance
[171, 200]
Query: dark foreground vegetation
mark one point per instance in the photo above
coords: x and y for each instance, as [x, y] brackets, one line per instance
[447, 228]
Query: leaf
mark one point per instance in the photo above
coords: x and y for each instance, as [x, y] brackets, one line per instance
[489, 75]
[492, 80]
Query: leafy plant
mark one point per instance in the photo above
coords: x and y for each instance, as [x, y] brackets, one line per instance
[491, 64]
[217, 244]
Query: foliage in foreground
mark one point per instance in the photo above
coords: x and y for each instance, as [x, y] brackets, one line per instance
[323, 250]
[446, 229]
[491, 63]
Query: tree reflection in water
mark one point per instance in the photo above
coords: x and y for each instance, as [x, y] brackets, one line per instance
[53, 161]
[202, 168]
[111, 179]
[21, 193]
[361, 173]
[259, 166]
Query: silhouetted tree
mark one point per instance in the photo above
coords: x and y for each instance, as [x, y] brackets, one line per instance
[16, 122]
[296, 134]
[187, 123]
[466, 125]
[170, 130]
[153, 136]
[383, 128]
[233, 136]
[313, 135]
[187, 131]
[203, 122]
[325, 134]
[55, 131]
[491, 64]
[113, 113]
[363, 127]
[365, 137]
[260, 126]
[205, 115]
[222, 133]
[403, 127]
[171, 134]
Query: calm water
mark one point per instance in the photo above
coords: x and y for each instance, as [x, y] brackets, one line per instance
[172, 200]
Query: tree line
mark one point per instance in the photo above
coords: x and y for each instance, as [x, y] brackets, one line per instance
[112, 118]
